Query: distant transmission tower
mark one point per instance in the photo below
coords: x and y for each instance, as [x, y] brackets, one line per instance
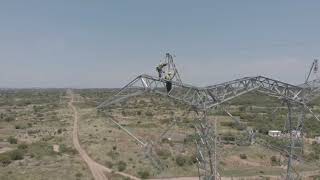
[314, 68]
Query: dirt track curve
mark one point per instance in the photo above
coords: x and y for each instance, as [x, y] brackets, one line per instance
[98, 171]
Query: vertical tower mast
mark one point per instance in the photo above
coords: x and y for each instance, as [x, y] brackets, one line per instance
[314, 68]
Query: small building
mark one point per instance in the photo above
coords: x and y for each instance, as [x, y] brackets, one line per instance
[56, 148]
[274, 133]
[317, 139]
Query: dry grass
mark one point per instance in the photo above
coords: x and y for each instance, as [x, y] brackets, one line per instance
[41, 119]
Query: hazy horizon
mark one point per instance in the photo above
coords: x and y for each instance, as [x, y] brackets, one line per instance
[105, 44]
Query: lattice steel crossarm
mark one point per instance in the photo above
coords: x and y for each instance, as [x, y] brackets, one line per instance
[188, 94]
[226, 91]
[127, 91]
[208, 97]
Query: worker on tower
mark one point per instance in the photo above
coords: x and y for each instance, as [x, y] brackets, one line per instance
[168, 79]
[160, 69]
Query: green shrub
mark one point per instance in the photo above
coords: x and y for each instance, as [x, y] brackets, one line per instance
[149, 113]
[9, 119]
[242, 108]
[181, 160]
[5, 159]
[109, 164]
[12, 140]
[227, 124]
[274, 161]
[113, 154]
[40, 149]
[163, 153]
[243, 156]
[165, 120]
[68, 150]
[23, 146]
[239, 126]
[78, 175]
[190, 138]
[144, 174]
[229, 137]
[16, 155]
[122, 166]
[316, 148]
[193, 159]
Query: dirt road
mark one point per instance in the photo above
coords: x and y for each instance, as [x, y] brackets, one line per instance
[98, 171]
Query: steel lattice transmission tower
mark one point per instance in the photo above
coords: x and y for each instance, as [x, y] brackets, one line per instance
[202, 100]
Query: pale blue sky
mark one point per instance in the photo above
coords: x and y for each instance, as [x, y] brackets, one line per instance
[69, 43]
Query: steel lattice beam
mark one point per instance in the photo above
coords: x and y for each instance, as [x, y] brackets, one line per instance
[210, 96]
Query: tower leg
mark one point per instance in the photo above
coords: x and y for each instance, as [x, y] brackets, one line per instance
[291, 146]
[206, 142]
